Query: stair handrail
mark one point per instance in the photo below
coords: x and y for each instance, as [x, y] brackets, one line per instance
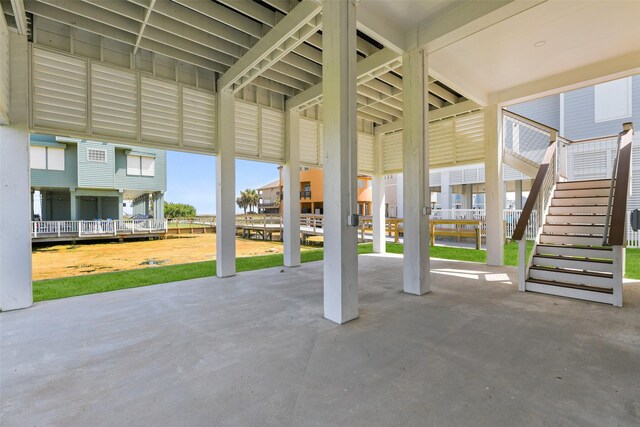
[615, 219]
[548, 162]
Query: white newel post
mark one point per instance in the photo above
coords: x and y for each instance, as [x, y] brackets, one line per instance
[15, 186]
[416, 173]
[225, 186]
[340, 166]
[494, 184]
[379, 202]
[291, 191]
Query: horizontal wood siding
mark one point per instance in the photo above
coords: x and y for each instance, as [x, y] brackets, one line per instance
[544, 110]
[96, 174]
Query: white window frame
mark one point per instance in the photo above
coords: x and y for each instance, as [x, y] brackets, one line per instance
[600, 91]
[96, 150]
[140, 171]
[46, 158]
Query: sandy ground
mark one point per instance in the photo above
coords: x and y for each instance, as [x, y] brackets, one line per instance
[75, 260]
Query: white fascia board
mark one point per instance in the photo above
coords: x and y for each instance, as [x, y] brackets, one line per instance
[378, 28]
[469, 18]
[610, 69]
[20, 16]
[303, 21]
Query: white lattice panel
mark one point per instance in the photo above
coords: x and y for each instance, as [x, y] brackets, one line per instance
[198, 119]
[114, 102]
[59, 91]
[160, 121]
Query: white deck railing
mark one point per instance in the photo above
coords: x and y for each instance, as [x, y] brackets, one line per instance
[96, 227]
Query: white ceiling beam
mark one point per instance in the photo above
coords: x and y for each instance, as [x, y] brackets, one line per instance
[225, 16]
[285, 79]
[388, 127]
[273, 86]
[20, 15]
[303, 21]
[370, 117]
[367, 69]
[127, 9]
[438, 90]
[435, 101]
[143, 26]
[376, 113]
[467, 19]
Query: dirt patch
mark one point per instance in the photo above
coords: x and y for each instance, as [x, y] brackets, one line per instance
[65, 260]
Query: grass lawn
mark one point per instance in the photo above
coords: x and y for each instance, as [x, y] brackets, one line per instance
[44, 290]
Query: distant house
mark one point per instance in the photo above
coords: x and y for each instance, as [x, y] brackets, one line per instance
[87, 180]
[270, 197]
[311, 194]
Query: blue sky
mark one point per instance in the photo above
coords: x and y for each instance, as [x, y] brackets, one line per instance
[191, 179]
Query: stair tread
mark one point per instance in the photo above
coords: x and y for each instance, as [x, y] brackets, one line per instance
[587, 180]
[568, 258]
[571, 235]
[572, 285]
[580, 272]
[595, 248]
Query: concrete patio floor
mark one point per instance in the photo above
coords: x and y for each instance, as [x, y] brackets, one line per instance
[254, 350]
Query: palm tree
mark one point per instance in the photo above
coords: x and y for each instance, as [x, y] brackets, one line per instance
[241, 201]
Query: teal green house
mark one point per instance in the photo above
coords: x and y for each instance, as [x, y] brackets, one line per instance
[87, 180]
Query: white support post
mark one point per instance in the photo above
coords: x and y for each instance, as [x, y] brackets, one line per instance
[494, 184]
[518, 192]
[120, 202]
[225, 186]
[340, 166]
[445, 190]
[73, 205]
[15, 186]
[416, 200]
[291, 191]
[379, 201]
[618, 252]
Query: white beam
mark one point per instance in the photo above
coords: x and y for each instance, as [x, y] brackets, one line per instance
[20, 15]
[143, 26]
[494, 184]
[291, 191]
[467, 19]
[225, 186]
[438, 90]
[367, 69]
[303, 21]
[415, 143]
[588, 75]
[379, 202]
[389, 127]
[340, 162]
[15, 176]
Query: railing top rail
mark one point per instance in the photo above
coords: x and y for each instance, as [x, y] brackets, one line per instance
[619, 208]
[521, 228]
[529, 121]
[599, 138]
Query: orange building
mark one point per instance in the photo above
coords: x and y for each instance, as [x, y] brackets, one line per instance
[311, 200]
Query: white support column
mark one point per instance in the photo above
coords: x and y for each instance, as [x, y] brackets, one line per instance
[379, 198]
[160, 212]
[518, 192]
[445, 190]
[415, 146]
[291, 191]
[120, 202]
[225, 186]
[340, 167]
[15, 186]
[73, 205]
[494, 184]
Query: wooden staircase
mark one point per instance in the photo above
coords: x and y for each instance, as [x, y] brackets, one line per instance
[569, 258]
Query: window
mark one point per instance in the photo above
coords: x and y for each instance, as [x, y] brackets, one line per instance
[141, 165]
[47, 158]
[96, 155]
[613, 100]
